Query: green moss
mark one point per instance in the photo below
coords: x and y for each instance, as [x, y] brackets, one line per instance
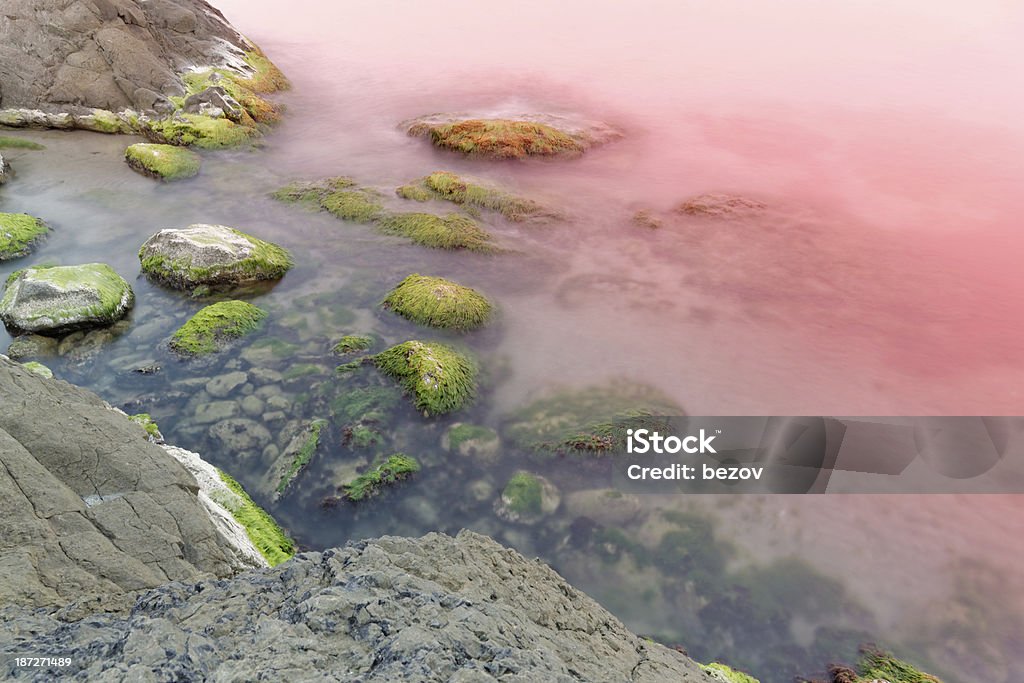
[464, 433]
[361, 436]
[303, 456]
[165, 162]
[590, 419]
[351, 366]
[7, 142]
[352, 343]
[523, 494]
[365, 404]
[214, 326]
[450, 187]
[876, 664]
[502, 138]
[300, 370]
[266, 77]
[436, 302]
[395, 468]
[266, 261]
[145, 421]
[19, 232]
[340, 196]
[452, 231]
[203, 131]
[721, 672]
[38, 368]
[104, 121]
[113, 295]
[260, 527]
[439, 378]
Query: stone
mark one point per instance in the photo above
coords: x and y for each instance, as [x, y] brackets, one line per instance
[223, 385]
[527, 498]
[32, 346]
[59, 299]
[240, 436]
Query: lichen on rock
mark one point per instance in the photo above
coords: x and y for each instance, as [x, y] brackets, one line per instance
[214, 255]
[164, 162]
[437, 302]
[215, 326]
[19, 234]
[438, 378]
[57, 299]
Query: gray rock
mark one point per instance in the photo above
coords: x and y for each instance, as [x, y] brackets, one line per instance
[64, 298]
[5, 170]
[214, 102]
[240, 436]
[32, 346]
[223, 385]
[393, 609]
[215, 411]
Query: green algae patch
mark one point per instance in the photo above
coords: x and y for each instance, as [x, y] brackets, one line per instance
[19, 233]
[164, 162]
[9, 142]
[725, 674]
[37, 368]
[203, 131]
[269, 538]
[352, 343]
[302, 457]
[876, 665]
[437, 377]
[450, 187]
[436, 302]
[397, 467]
[593, 419]
[63, 298]
[340, 196]
[213, 327]
[502, 138]
[266, 77]
[453, 231]
[523, 494]
[145, 420]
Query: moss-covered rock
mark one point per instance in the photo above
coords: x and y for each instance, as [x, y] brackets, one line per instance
[164, 162]
[19, 233]
[592, 419]
[878, 665]
[352, 343]
[9, 142]
[58, 299]
[645, 219]
[502, 138]
[145, 420]
[526, 498]
[213, 327]
[436, 302]
[340, 195]
[438, 378]
[297, 455]
[211, 255]
[450, 187]
[32, 346]
[272, 542]
[38, 368]
[452, 231]
[471, 440]
[714, 205]
[201, 130]
[725, 674]
[395, 468]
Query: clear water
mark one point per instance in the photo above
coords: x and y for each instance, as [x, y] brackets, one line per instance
[887, 138]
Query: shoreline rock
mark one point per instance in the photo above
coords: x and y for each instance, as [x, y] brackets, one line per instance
[57, 299]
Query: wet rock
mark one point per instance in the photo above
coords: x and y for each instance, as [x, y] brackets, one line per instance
[607, 507]
[721, 206]
[240, 436]
[252, 406]
[5, 170]
[32, 346]
[163, 162]
[214, 102]
[215, 411]
[223, 385]
[472, 441]
[19, 232]
[63, 298]
[527, 498]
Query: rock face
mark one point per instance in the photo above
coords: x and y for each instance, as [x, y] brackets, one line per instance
[77, 521]
[393, 609]
[62, 298]
[72, 56]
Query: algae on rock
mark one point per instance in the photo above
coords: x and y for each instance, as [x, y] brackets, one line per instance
[395, 468]
[450, 187]
[298, 455]
[438, 378]
[56, 299]
[164, 162]
[502, 138]
[19, 233]
[437, 302]
[265, 533]
[209, 330]
[526, 498]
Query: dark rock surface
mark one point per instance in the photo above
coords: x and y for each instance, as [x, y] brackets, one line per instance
[89, 510]
[391, 609]
[71, 56]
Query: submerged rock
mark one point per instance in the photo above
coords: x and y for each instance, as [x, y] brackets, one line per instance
[62, 298]
[438, 378]
[526, 498]
[202, 254]
[39, 369]
[453, 188]
[19, 234]
[5, 170]
[32, 346]
[452, 231]
[296, 456]
[436, 302]
[164, 162]
[472, 441]
[721, 206]
[395, 468]
[215, 326]
[512, 137]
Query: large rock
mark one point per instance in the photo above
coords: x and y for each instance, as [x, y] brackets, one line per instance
[89, 509]
[392, 609]
[200, 254]
[5, 169]
[72, 56]
[61, 298]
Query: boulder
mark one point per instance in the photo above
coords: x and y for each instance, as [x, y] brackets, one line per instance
[163, 162]
[201, 254]
[526, 498]
[58, 299]
[19, 234]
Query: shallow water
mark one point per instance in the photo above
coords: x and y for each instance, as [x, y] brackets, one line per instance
[887, 139]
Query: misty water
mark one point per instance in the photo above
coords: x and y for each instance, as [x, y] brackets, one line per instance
[887, 140]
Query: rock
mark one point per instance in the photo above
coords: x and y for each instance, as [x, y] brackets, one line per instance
[252, 406]
[32, 346]
[82, 345]
[392, 609]
[163, 162]
[77, 522]
[240, 436]
[436, 302]
[293, 460]
[512, 137]
[215, 411]
[453, 188]
[19, 234]
[472, 441]
[526, 498]
[607, 507]
[39, 369]
[211, 255]
[5, 170]
[439, 378]
[214, 102]
[721, 206]
[62, 298]
[223, 385]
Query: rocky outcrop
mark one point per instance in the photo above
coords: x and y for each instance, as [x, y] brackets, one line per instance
[91, 511]
[72, 56]
[392, 609]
